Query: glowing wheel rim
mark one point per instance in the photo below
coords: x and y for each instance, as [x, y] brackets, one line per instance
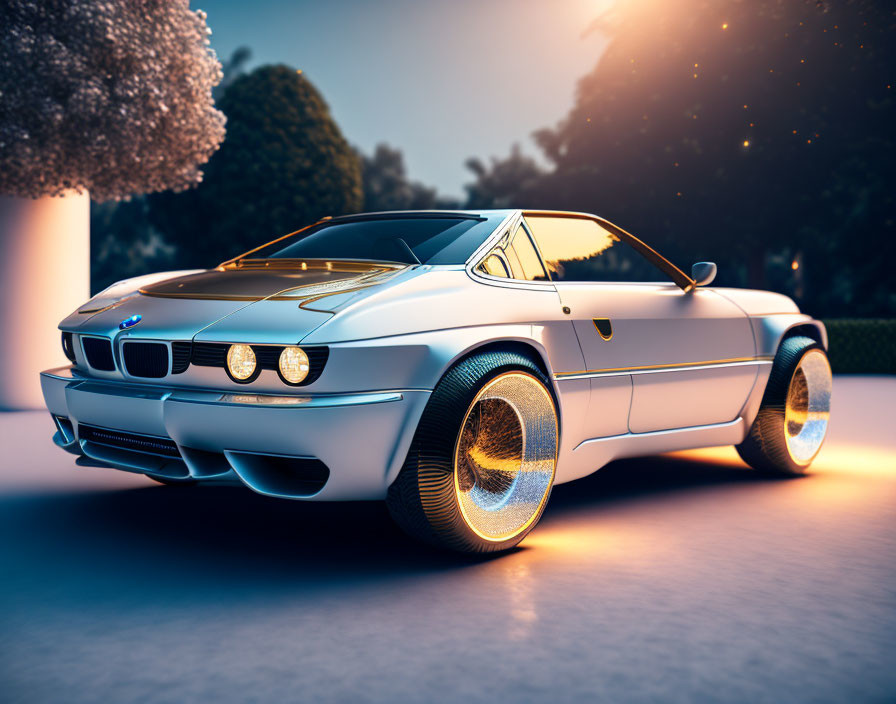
[808, 407]
[505, 456]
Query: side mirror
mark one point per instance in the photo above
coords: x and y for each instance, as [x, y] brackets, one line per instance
[703, 273]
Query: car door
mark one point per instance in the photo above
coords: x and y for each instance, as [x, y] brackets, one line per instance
[515, 258]
[688, 355]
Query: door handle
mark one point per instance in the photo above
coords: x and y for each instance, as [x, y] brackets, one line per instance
[604, 328]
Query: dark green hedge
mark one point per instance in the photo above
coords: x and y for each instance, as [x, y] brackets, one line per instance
[862, 346]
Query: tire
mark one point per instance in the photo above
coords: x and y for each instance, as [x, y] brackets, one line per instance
[496, 407]
[793, 418]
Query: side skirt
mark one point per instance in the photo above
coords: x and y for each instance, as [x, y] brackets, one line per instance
[591, 455]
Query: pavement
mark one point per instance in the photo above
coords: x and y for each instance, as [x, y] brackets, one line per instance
[681, 578]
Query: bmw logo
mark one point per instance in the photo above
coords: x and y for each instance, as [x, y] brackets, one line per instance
[130, 322]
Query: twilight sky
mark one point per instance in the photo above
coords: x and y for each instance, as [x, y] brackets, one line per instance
[442, 80]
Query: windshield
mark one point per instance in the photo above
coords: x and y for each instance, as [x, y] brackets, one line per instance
[408, 240]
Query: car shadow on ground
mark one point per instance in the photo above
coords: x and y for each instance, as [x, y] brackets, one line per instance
[169, 537]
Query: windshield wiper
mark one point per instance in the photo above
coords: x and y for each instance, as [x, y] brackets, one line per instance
[404, 245]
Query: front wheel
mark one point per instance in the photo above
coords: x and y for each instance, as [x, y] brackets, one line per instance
[481, 464]
[793, 419]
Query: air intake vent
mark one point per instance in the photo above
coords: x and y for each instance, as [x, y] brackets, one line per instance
[98, 351]
[128, 441]
[268, 357]
[145, 359]
[276, 475]
[209, 354]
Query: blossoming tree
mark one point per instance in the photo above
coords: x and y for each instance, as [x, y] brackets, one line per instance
[111, 98]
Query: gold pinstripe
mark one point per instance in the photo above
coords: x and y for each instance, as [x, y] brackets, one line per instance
[667, 367]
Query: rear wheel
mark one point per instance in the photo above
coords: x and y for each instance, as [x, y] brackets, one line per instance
[793, 419]
[481, 465]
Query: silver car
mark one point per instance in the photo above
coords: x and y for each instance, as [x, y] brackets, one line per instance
[455, 364]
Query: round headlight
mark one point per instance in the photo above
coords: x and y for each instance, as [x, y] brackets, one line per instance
[294, 365]
[241, 362]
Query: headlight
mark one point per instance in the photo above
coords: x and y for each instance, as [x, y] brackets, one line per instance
[241, 363]
[293, 365]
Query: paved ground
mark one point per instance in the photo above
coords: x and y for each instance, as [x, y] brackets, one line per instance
[681, 578]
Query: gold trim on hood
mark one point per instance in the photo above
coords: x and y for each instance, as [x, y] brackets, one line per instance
[251, 274]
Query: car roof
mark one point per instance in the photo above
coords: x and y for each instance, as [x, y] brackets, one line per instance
[487, 213]
[496, 217]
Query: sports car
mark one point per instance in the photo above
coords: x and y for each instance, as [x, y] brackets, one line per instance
[455, 364]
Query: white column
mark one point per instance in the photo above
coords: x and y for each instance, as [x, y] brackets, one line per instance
[44, 276]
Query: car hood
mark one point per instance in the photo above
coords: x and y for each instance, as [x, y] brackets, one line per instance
[270, 278]
[255, 303]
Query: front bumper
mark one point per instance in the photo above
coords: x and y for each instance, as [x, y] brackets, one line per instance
[261, 440]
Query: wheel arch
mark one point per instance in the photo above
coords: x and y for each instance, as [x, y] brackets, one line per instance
[814, 330]
[528, 348]
[436, 353]
[771, 330]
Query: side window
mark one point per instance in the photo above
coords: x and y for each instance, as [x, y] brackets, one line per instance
[514, 258]
[494, 265]
[578, 249]
[529, 262]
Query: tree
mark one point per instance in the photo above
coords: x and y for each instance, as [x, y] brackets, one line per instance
[232, 68]
[386, 185]
[123, 244]
[111, 97]
[750, 132]
[284, 164]
[506, 183]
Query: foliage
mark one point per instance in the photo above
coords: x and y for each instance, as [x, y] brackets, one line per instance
[283, 164]
[862, 346]
[512, 182]
[231, 69]
[754, 133]
[109, 96]
[386, 185]
[123, 244]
